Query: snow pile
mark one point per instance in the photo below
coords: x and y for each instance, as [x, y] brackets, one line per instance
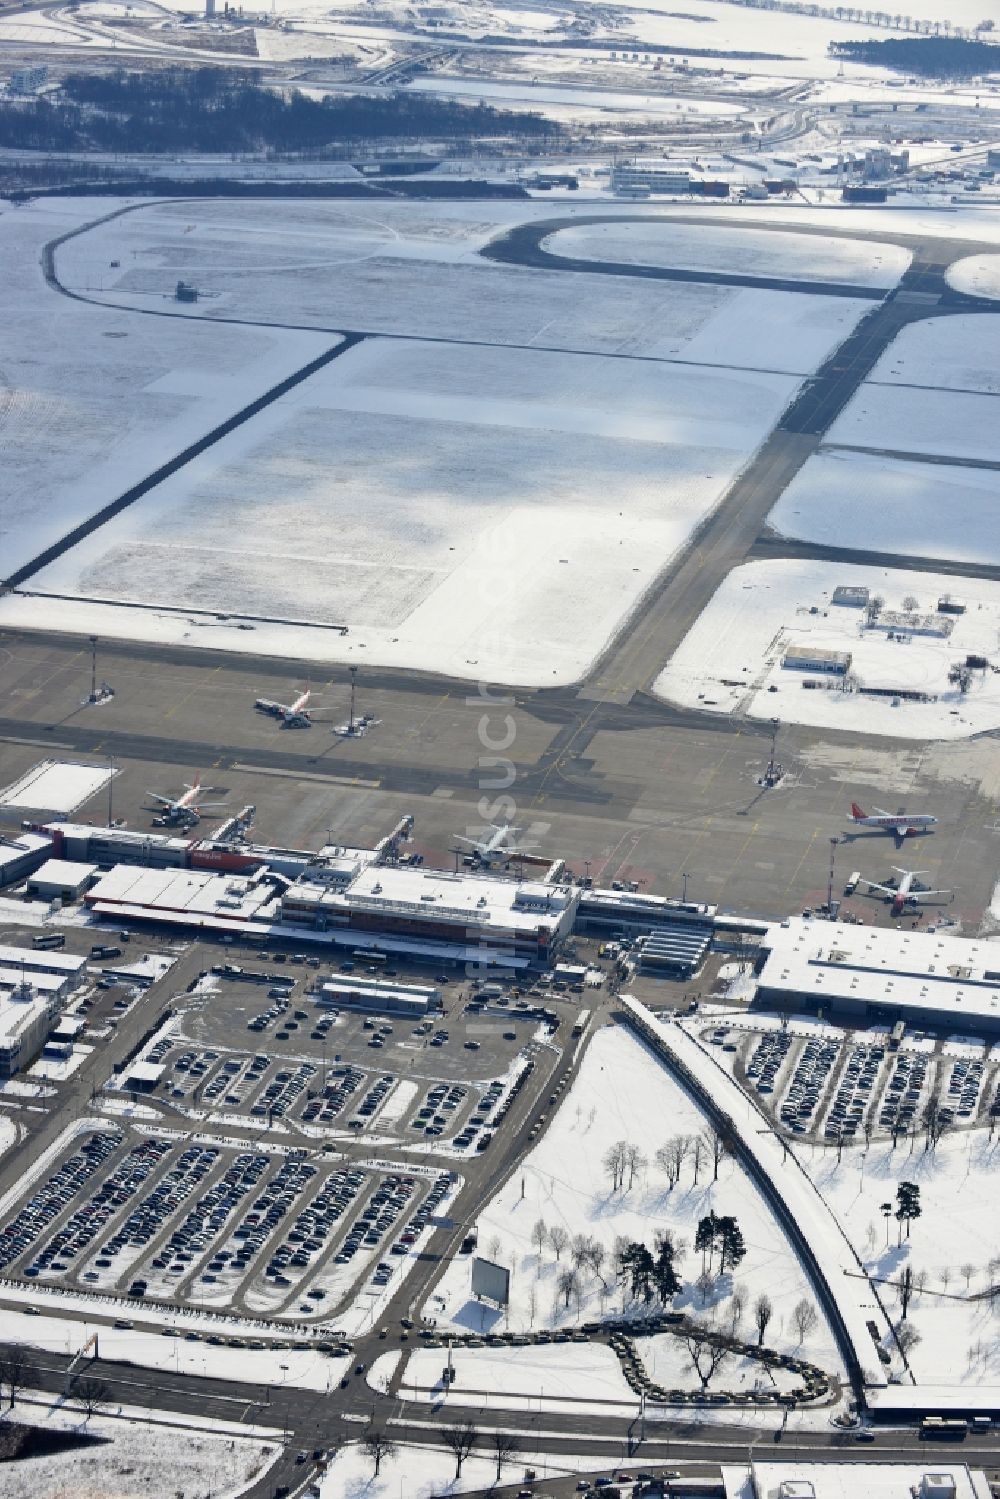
[622, 1093]
[731, 659]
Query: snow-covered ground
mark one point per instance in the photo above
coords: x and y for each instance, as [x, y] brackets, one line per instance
[423, 1472]
[520, 503]
[845, 499]
[960, 353]
[514, 487]
[622, 1093]
[134, 1454]
[979, 275]
[561, 1371]
[731, 659]
[736, 250]
[954, 1234]
[92, 400]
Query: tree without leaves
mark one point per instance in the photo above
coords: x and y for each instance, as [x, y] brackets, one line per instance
[907, 1337]
[595, 1260]
[697, 1155]
[763, 1311]
[968, 1271]
[377, 1445]
[558, 1238]
[14, 1371]
[567, 1283]
[505, 1446]
[804, 1318]
[460, 1440]
[635, 1163]
[737, 1306]
[91, 1393]
[717, 1143]
[706, 1354]
[539, 1235]
[579, 1250]
[614, 1163]
[671, 1156]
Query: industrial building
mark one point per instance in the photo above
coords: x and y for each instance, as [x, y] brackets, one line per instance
[22, 855]
[62, 879]
[33, 986]
[811, 658]
[872, 975]
[378, 996]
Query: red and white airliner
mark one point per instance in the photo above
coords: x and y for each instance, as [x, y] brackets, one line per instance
[901, 824]
[906, 892]
[294, 715]
[186, 808]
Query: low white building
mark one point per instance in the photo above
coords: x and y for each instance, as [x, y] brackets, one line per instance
[62, 879]
[27, 1015]
[944, 1479]
[875, 974]
[183, 897]
[66, 967]
[21, 855]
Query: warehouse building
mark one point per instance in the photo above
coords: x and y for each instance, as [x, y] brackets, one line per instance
[811, 658]
[879, 975]
[62, 879]
[379, 996]
[21, 855]
[67, 969]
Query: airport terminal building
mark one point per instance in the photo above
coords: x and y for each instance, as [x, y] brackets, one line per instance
[868, 975]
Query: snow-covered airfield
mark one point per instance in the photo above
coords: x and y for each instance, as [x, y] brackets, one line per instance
[485, 485]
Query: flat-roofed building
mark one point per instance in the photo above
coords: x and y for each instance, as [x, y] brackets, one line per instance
[812, 658]
[877, 974]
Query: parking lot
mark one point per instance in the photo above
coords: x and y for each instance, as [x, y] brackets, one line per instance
[280, 1233]
[836, 1089]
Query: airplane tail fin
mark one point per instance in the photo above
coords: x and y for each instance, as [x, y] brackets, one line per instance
[856, 810]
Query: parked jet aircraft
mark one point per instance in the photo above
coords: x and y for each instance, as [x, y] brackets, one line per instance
[899, 823]
[293, 715]
[495, 849]
[185, 808]
[906, 892]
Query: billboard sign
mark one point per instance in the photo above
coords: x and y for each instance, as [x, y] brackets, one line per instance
[490, 1282]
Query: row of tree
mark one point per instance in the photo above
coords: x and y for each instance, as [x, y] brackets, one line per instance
[624, 1161]
[929, 57]
[223, 110]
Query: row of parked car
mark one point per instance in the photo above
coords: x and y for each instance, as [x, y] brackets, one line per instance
[207, 1219]
[54, 1195]
[87, 1222]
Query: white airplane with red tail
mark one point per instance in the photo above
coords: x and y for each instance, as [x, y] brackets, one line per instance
[186, 808]
[907, 892]
[294, 715]
[901, 824]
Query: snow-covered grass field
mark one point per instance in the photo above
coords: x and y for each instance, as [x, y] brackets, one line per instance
[133, 1457]
[952, 1249]
[463, 505]
[933, 391]
[940, 510]
[623, 1093]
[731, 659]
[92, 400]
[738, 251]
[979, 276]
[462, 509]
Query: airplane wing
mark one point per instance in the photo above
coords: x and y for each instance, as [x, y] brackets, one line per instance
[200, 806]
[902, 828]
[883, 889]
[881, 812]
[472, 842]
[926, 894]
[166, 801]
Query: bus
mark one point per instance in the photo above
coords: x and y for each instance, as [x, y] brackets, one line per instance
[582, 1021]
[943, 1428]
[49, 939]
